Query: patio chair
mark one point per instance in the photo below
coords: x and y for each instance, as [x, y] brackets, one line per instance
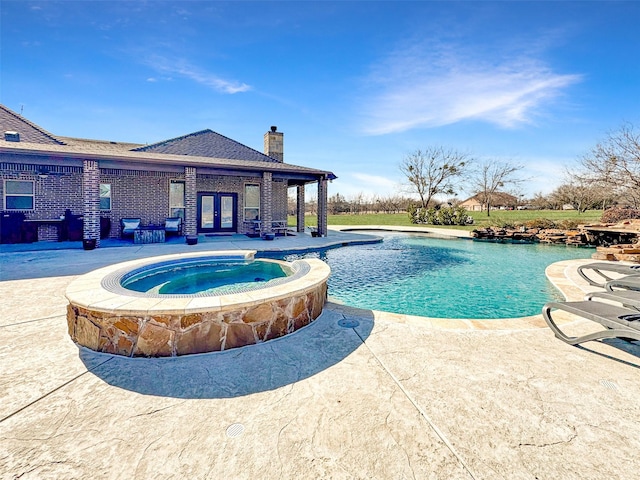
[599, 267]
[128, 226]
[279, 227]
[173, 226]
[618, 322]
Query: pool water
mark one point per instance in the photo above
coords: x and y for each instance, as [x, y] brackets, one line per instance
[446, 278]
[203, 277]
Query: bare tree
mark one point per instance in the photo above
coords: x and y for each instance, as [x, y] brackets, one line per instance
[311, 205]
[581, 195]
[292, 205]
[356, 203]
[491, 178]
[390, 204]
[337, 204]
[631, 197]
[615, 162]
[542, 202]
[433, 171]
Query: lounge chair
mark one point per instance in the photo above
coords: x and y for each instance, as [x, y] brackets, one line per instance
[173, 225]
[619, 322]
[599, 267]
[630, 282]
[626, 298]
[128, 226]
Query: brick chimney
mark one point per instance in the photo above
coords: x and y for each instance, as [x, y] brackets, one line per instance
[274, 144]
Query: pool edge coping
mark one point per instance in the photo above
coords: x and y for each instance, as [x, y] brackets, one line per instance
[87, 291]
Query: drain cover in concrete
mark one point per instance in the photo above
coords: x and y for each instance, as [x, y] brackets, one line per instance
[609, 384]
[235, 430]
[348, 323]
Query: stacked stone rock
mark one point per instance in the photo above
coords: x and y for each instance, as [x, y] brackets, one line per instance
[171, 335]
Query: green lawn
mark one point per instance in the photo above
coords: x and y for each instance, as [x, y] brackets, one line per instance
[497, 217]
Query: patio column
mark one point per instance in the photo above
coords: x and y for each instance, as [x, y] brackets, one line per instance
[322, 207]
[190, 202]
[300, 209]
[91, 200]
[266, 202]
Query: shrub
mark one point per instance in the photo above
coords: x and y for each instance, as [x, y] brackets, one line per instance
[541, 223]
[439, 216]
[618, 214]
[412, 211]
[568, 224]
[461, 216]
[498, 222]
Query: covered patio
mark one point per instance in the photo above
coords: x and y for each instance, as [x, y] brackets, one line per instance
[60, 188]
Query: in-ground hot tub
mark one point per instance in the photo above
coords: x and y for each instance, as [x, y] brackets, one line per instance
[248, 301]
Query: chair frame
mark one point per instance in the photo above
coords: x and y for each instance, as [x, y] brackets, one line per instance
[279, 227]
[178, 232]
[630, 282]
[626, 298]
[618, 322]
[124, 233]
[599, 267]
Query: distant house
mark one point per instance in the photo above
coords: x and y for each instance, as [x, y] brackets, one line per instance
[499, 201]
[213, 183]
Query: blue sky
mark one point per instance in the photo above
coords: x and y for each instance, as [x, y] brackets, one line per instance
[354, 86]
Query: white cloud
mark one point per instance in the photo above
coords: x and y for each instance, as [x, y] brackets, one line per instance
[435, 85]
[185, 69]
[351, 184]
[375, 181]
[544, 174]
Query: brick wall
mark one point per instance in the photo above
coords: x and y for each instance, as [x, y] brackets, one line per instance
[134, 193]
[266, 201]
[322, 207]
[137, 194]
[59, 191]
[190, 201]
[300, 208]
[274, 145]
[91, 200]
[279, 199]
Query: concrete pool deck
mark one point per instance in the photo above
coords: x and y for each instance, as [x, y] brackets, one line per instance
[392, 397]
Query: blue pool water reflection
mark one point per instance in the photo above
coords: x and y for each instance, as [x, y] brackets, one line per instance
[443, 278]
[202, 276]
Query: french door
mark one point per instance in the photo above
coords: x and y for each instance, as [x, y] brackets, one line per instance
[217, 212]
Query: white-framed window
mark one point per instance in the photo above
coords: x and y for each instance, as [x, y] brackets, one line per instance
[18, 194]
[251, 201]
[176, 199]
[105, 196]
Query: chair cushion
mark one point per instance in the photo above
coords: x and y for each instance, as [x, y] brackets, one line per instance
[130, 223]
[172, 223]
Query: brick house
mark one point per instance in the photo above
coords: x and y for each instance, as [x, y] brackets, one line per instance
[214, 183]
[499, 201]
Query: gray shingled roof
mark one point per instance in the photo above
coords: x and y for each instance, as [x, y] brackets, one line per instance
[207, 143]
[99, 145]
[92, 151]
[203, 149]
[29, 132]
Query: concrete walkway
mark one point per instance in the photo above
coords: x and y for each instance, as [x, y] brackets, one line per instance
[392, 397]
